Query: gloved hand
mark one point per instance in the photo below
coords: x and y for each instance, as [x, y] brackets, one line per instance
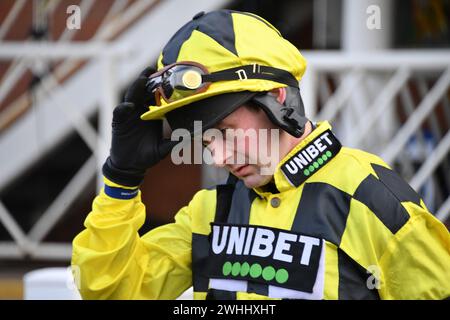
[136, 144]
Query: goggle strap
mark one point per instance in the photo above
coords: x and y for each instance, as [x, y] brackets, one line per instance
[253, 71]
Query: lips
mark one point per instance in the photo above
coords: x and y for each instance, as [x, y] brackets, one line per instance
[239, 171]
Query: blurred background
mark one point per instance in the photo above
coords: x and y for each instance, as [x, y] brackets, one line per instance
[379, 70]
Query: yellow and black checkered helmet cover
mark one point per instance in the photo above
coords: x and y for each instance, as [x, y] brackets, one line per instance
[226, 39]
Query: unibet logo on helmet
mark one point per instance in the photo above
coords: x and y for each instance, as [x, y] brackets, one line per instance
[227, 39]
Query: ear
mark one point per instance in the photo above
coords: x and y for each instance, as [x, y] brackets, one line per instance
[280, 94]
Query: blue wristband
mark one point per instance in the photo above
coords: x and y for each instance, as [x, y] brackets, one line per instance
[120, 193]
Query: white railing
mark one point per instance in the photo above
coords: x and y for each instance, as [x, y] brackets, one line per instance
[67, 106]
[363, 94]
[31, 244]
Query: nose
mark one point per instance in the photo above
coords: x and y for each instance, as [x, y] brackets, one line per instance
[220, 153]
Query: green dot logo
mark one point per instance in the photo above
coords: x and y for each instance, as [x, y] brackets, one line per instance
[245, 269]
[320, 161]
[268, 273]
[236, 269]
[255, 270]
[226, 269]
[281, 276]
[311, 168]
[316, 165]
[329, 154]
[306, 172]
[324, 157]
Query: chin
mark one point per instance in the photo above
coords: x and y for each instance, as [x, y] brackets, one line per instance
[256, 180]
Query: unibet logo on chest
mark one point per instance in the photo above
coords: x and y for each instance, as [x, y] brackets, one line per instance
[263, 254]
[261, 242]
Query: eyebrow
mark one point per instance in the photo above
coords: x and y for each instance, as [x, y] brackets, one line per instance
[220, 124]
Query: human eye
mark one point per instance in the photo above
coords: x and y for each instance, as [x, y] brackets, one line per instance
[205, 143]
[207, 140]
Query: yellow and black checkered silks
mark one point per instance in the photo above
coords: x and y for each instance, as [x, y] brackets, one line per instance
[369, 219]
[242, 39]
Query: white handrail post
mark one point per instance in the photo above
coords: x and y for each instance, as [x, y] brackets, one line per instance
[107, 104]
[308, 89]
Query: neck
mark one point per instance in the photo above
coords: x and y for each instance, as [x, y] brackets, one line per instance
[288, 142]
[293, 141]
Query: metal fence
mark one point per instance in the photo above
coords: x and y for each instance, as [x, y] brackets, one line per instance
[394, 104]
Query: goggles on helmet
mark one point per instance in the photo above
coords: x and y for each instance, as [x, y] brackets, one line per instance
[187, 78]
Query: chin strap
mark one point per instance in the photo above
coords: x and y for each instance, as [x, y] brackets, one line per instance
[289, 116]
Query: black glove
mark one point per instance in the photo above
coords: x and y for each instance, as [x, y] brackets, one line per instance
[136, 144]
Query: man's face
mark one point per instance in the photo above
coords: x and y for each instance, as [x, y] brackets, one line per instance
[247, 146]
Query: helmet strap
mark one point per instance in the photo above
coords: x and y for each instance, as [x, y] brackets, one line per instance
[289, 116]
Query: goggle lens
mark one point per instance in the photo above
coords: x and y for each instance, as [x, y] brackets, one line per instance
[177, 82]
